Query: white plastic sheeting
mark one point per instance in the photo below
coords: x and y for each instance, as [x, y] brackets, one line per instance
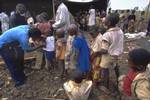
[135, 35]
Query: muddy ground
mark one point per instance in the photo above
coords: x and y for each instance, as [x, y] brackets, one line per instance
[46, 85]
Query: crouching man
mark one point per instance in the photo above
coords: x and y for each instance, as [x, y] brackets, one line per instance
[13, 43]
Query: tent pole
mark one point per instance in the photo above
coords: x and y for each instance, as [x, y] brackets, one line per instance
[53, 9]
[147, 15]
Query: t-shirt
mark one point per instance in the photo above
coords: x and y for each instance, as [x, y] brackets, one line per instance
[19, 34]
[115, 39]
[96, 45]
[83, 60]
[50, 43]
[92, 17]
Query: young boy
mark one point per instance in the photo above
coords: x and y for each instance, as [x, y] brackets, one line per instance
[136, 82]
[111, 46]
[50, 51]
[95, 47]
[60, 50]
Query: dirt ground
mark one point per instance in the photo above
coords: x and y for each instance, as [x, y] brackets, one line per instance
[46, 85]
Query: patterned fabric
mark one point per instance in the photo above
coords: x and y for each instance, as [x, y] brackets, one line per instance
[97, 44]
[68, 63]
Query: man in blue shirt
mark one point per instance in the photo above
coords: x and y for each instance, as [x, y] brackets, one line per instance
[13, 43]
[80, 53]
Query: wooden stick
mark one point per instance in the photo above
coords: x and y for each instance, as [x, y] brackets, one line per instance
[50, 99]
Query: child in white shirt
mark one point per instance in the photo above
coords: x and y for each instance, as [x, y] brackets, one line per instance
[50, 51]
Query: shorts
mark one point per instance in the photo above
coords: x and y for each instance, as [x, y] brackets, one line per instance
[49, 55]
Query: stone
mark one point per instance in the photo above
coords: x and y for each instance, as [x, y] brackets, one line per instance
[2, 83]
[16, 93]
[29, 94]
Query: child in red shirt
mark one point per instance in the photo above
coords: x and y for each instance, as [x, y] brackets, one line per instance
[136, 82]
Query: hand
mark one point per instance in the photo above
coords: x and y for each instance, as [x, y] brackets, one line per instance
[52, 21]
[93, 56]
[96, 67]
[32, 44]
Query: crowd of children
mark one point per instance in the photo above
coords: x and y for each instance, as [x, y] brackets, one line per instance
[69, 51]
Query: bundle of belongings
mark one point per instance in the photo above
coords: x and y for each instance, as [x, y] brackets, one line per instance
[78, 91]
[136, 35]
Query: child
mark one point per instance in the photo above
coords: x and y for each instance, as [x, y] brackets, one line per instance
[136, 82]
[131, 26]
[50, 51]
[95, 47]
[111, 46]
[60, 50]
[46, 28]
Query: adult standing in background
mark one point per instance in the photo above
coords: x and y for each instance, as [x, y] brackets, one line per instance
[125, 25]
[62, 19]
[92, 18]
[18, 18]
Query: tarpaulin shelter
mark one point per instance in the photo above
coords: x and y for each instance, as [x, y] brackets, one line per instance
[77, 5]
[147, 10]
[34, 6]
[38, 6]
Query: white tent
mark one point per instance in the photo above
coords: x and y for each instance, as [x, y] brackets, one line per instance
[128, 4]
[81, 1]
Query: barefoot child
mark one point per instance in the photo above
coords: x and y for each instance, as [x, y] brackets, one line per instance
[111, 47]
[60, 50]
[50, 51]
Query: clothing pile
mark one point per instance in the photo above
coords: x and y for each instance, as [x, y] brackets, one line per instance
[136, 35]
